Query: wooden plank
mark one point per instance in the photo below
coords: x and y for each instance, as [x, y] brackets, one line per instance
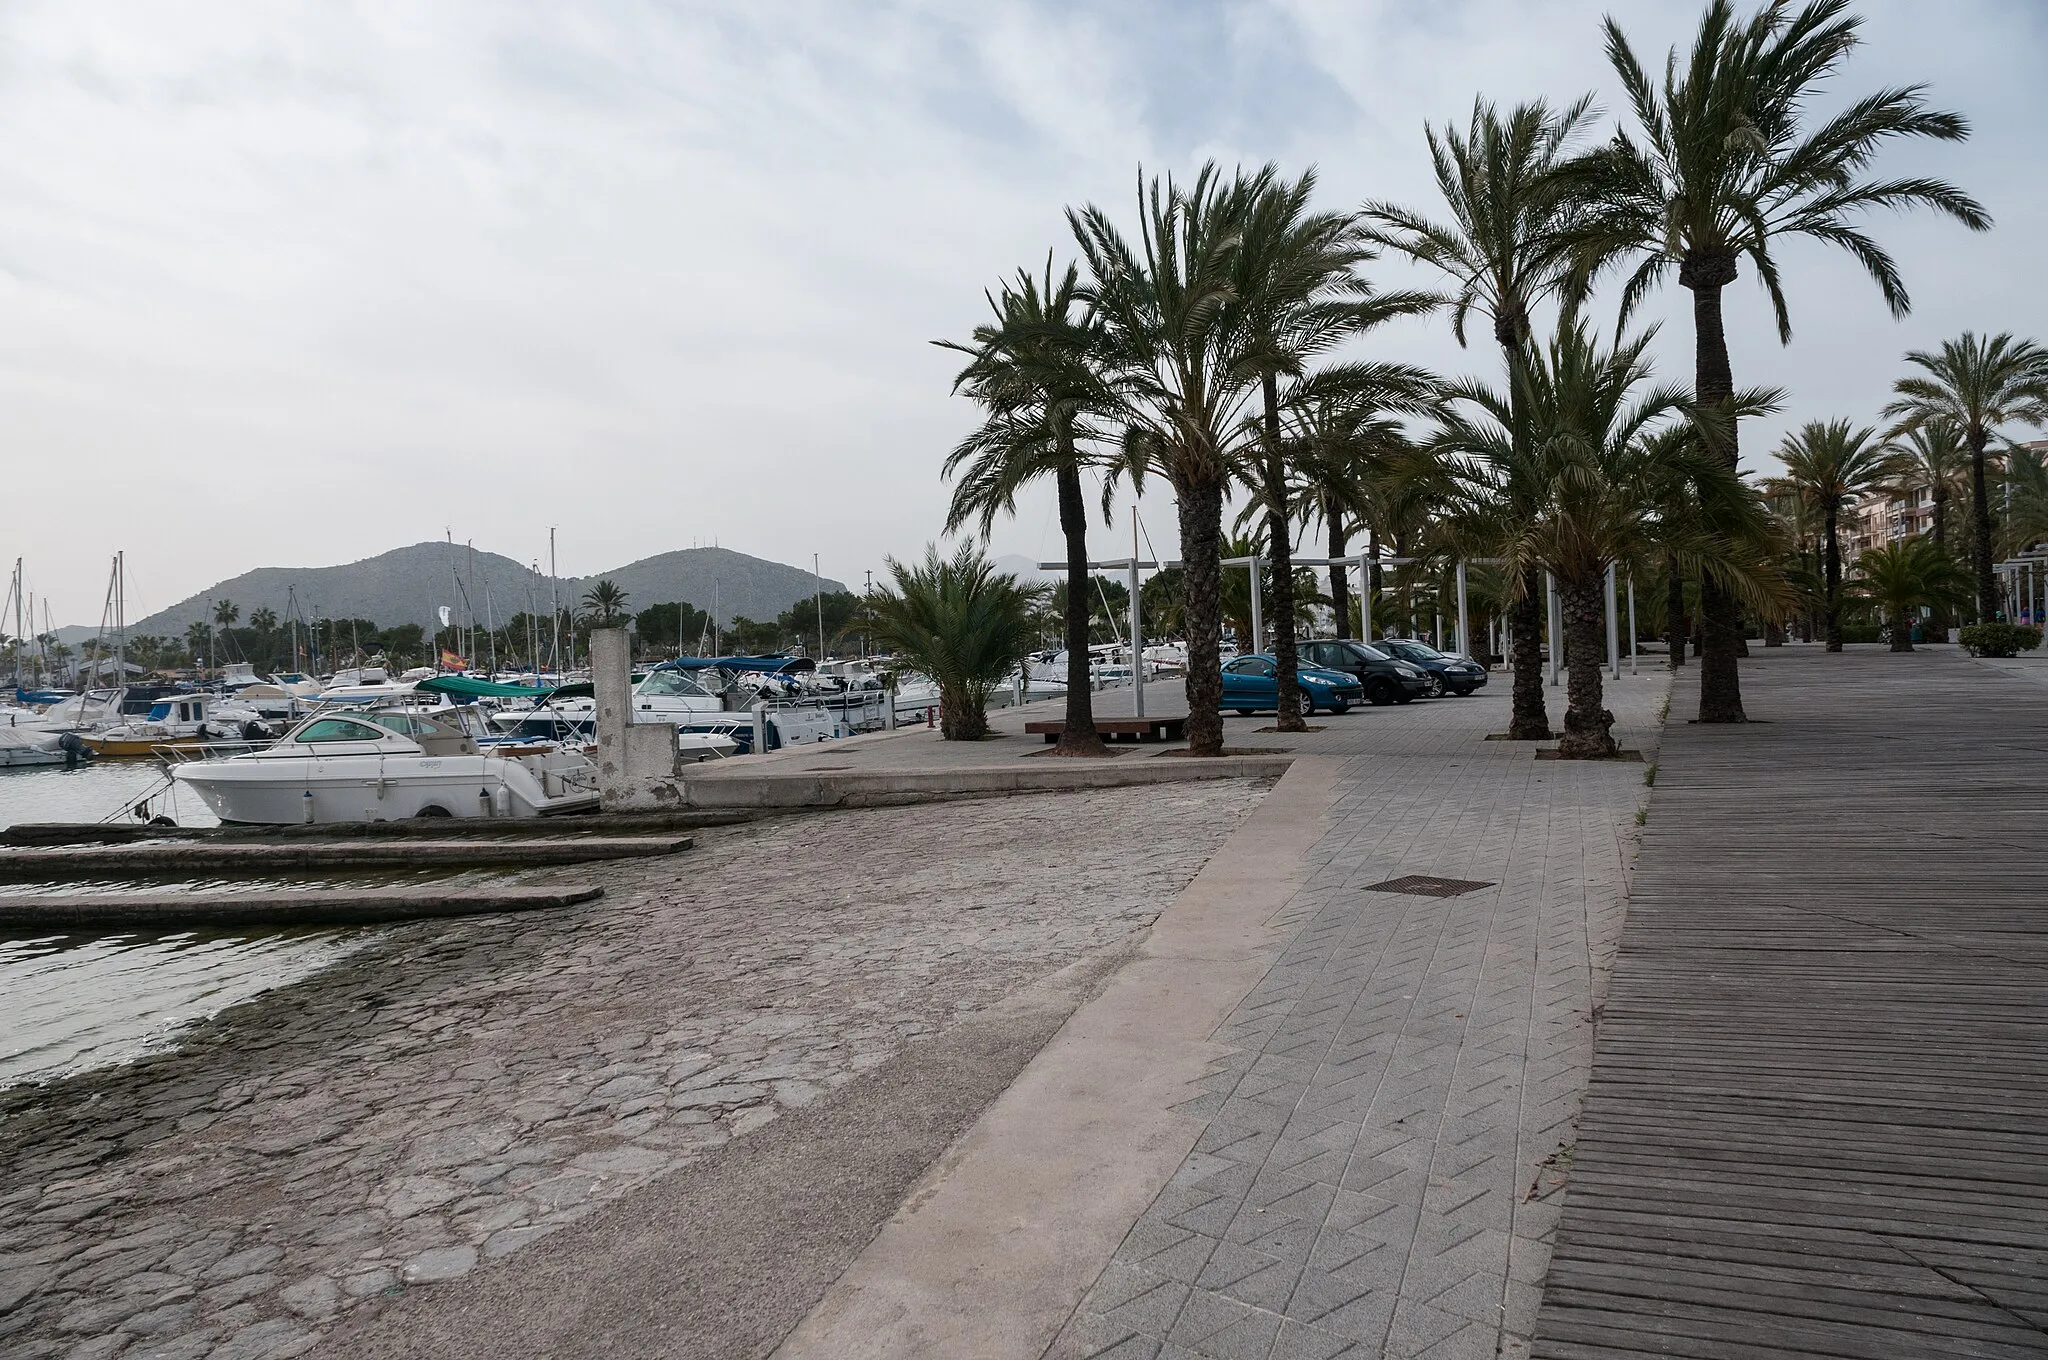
[1818, 1117]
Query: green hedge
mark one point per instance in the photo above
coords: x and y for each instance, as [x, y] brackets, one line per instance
[2001, 639]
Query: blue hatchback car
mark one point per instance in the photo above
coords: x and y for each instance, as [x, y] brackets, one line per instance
[1253, 682]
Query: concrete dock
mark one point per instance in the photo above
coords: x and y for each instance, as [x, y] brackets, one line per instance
[269, 909]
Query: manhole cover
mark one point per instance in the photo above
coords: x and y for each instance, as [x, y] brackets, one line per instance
[1422, 885]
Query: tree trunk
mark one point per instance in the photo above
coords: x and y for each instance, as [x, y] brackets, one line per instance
[1774, 633]
[1528, 719]
[1340, 577]
[1280, 552]
[1714, 388]
[962, 716]
[1078, 737]
[1980, 524]
[1831, 598]
[1902, 630]
[1674, 611]
[1201, 536]
[1588, 725]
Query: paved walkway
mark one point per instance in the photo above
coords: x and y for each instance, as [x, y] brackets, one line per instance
[1818, 1119]
[1368, 1165]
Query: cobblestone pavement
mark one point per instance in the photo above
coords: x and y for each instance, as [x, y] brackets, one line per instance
[457, 1089]
[1379, 1170]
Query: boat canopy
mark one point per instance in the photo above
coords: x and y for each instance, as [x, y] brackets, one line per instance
[469, 687]
[770, 665]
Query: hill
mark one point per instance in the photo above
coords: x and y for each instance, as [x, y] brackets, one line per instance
[407, 585]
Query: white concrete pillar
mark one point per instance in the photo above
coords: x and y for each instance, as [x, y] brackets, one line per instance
[1137, 630]
[1613, 628]
[1464, 625]
[1633, 647]
[1258, 609]
[611, 683]
[1556, 619]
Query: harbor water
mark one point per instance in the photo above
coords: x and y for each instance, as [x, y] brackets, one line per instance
[72, 1002]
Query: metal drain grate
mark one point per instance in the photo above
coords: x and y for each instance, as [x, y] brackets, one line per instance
[1422, 885]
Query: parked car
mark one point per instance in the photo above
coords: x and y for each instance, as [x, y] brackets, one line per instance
[1458, 675]
[1384, 679]
[1253, 682]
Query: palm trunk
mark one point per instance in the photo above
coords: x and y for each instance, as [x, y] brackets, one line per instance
[1280, 552]
[1588, 726]
[1674, 611]
[1340, 578]
[1902, 630]
[1714, 389]
[1528, 720]
[963, 716]
[1831, 598]
[1201, 536]
[1980, 524]
[1078, 737]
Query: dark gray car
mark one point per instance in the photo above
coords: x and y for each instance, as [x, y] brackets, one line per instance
[1385, 679]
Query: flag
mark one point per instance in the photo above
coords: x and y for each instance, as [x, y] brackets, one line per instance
[452, 661]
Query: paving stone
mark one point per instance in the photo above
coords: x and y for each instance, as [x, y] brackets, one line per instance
[1407, 1067]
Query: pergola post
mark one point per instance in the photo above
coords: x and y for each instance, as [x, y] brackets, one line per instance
[1613, 627]
[1556, 621]
[1632, 634]
[1464, 634]
[1258, 610]
[1137, 629]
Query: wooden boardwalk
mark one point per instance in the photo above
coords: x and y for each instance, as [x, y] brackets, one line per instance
[1818, 1117]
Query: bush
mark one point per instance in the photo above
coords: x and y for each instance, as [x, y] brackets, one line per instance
[1863, 632]
[2001, 639]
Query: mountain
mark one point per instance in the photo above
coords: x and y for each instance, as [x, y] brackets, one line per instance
[407, 585]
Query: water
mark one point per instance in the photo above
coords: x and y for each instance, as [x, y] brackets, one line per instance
[92, 792]
[69, 1003]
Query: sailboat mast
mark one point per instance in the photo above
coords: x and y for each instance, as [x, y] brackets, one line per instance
[121, 618]
[20, 638]
[554, 605]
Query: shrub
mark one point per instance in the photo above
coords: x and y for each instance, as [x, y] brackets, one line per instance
[2001, 639]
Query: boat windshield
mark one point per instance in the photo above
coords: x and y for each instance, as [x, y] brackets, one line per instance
[405, 725]
[669, 684]
[336, 729]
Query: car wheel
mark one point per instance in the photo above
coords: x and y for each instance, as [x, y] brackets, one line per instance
[1340, 706]
[1380, 693]
[1436, 686]
[1306, 702]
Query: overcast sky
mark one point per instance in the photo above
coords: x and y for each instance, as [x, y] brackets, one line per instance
[292, 284]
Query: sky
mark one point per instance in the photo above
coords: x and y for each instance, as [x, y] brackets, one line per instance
[296, 283]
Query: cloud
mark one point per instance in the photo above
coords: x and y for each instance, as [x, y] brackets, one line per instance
[298, 283]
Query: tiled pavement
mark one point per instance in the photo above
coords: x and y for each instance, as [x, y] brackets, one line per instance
[1379, 1169]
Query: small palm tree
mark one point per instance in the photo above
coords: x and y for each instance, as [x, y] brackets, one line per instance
[1977, 384]
[1830, 465]
[1901, 577]
[1036, 370]
[960, 623]
[264, 620]
[1723, 164]
[2026, 511]
[606, 604]
[1504, 249]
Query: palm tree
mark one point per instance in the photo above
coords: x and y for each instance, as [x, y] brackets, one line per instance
[1035, 371]
[2026, 512]
[1976, 384]
[960, 623]
[1297, 296]
[264, 620]
[1161, 303]
[606, 603]
[1504, 250]
[1829, 465]
[1598, 456]
[1722, 166]
[1933, 456]
[1901, 577]
[1342, 450]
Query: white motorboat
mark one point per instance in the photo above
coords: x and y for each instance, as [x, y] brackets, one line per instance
[178, 720]
[388, 764]
[21, 746]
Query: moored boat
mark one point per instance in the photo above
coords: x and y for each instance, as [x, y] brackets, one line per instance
[386, 765]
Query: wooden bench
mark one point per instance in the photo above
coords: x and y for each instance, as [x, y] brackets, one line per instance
[1117, 729]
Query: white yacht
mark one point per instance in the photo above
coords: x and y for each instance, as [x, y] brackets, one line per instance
[386, 764]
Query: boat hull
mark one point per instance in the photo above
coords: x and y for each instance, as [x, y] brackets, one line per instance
[275, 792]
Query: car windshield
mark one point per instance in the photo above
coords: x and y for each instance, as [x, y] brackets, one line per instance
[1369, 652]
[1418, 651]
